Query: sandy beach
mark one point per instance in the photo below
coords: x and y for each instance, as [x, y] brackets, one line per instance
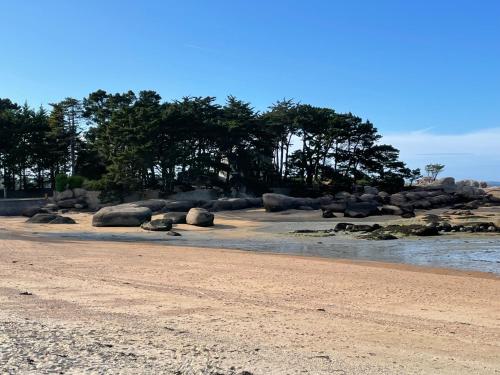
[80, 306]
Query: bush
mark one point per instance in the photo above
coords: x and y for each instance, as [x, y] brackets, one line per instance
[110, 191]
[75, 182]
[94, 185]
[61, 182]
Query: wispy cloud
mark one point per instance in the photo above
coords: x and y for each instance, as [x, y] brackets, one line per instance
[197, 47]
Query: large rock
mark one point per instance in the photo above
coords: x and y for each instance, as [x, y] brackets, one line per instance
[50, 219]
[447, 181]
[62, 220]
[176, 217]
[398, 199]
[370, 190]
[473, 183]
[154, 205]
[195, 195]
[368, 197]
[345, 196]
[415, 195]
[384, 197]
[361, 209]
[42, 218]
[179, 206]
[51, 207]
[157, 225]
[200, 217]
[79, 193]
[422, 204]
[278, 202]
[68, 203]
[471, 192]
[335, 207]
[124, 215]
[229, 204]
[66, 194]
[447, 184]
[440, 200]
[32, 211]
[494, 195]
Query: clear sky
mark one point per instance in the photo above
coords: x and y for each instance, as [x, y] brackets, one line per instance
[427, 73]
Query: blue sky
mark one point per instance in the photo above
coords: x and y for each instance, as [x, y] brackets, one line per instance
[430, 68]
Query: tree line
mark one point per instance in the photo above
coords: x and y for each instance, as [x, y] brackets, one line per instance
[127, 142]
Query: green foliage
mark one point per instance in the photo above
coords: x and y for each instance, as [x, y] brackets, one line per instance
[93, 185]
[413, 175]
[136, 141]
[61, 182]
[75, 182]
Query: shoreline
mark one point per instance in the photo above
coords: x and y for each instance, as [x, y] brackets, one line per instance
[193, 306]
[362, 262]
[244, 231]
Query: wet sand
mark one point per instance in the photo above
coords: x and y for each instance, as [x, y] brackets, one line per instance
[73, 305]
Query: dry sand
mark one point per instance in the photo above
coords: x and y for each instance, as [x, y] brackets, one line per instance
[107, 307]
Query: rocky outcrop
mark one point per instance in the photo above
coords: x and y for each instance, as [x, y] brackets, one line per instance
[442, 193]
[361, 209]
[230, 204]
[67, 199]
[200, 217]
[277, 202]
[124, 215]
[335, 206]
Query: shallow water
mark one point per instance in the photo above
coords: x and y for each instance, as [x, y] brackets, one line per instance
[481, 253]
[445, 252]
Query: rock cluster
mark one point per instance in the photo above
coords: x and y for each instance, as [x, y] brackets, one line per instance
[369, 201]
[140, 213]
[71, 198]
[177, 211]
[466, 194]
[223, 204]
[433, 228]
[278, 202]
